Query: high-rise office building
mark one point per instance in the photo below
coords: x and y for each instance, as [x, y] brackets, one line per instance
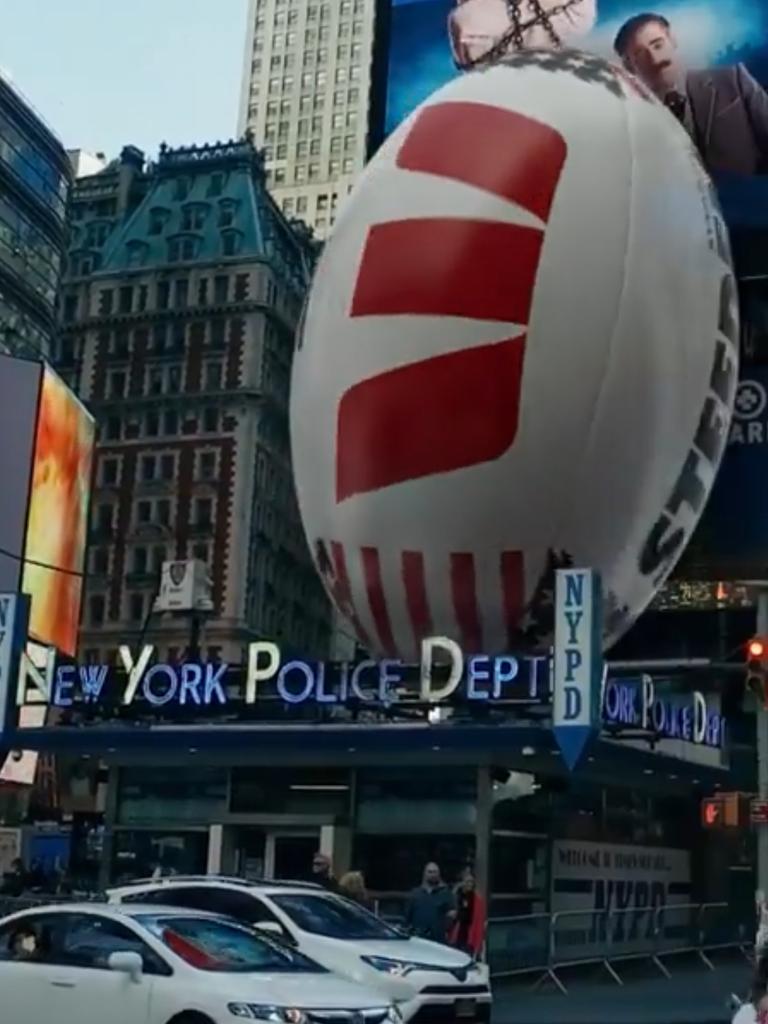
[305, 99]
[34, 178]
[179, 311]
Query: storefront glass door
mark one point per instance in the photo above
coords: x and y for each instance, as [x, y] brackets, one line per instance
[289, 854]
[283, 854]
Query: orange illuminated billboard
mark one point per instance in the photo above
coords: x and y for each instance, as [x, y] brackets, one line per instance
[57, 517]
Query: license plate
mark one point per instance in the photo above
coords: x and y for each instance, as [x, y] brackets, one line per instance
[465, 1008]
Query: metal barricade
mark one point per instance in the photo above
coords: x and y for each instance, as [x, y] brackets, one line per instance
[549, 943]
[516, 945]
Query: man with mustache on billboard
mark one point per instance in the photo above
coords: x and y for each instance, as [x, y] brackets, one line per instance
[483, 31]
[723, 109]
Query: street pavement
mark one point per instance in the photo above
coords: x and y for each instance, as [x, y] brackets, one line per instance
[693, 995]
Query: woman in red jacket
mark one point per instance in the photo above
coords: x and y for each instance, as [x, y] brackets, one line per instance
[468, 931]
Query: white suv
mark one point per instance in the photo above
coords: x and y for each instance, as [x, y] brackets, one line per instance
[428, 982]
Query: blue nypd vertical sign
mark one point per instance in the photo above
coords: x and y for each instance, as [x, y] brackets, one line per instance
[14, 620]
[578, 661]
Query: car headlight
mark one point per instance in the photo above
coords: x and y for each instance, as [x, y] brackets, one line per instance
[274, 1014]
[397, 968]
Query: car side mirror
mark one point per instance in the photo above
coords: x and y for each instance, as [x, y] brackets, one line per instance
[276, 929]
[127, 963]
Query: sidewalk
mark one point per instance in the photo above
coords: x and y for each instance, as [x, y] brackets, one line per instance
[693, 995]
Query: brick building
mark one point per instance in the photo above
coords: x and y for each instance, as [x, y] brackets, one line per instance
[183, 293]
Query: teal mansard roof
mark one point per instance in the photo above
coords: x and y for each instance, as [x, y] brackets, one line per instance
[208, 204]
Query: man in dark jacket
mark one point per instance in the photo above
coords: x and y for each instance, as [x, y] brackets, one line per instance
[431, 907]
[724, 109]
[321, 872]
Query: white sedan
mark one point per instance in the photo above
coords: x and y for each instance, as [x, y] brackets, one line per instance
[93, 963]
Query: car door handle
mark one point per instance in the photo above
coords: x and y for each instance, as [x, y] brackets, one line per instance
[63, 984]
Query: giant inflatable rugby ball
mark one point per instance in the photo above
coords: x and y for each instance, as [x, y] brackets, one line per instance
[519, 352]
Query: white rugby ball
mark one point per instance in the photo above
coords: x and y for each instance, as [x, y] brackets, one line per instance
[519, 352]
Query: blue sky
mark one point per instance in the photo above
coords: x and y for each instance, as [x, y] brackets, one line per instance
[104, 73]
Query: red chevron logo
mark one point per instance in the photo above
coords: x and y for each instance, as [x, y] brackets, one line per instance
[460, 409]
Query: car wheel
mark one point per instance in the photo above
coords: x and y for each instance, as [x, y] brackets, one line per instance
[191, 1018]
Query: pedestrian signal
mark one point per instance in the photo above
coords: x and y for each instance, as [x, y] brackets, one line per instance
[711, 812]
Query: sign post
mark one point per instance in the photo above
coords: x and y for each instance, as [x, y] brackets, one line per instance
[578, 661]
[14, 620]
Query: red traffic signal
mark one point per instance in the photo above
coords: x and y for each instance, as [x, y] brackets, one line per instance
[757, 648]
[757, 668]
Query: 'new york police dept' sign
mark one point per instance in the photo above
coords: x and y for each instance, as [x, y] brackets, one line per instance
[578, 661]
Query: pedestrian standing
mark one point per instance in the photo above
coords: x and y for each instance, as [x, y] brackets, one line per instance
[431, 908]
[468, 931]
[352, 885]
[322, 874]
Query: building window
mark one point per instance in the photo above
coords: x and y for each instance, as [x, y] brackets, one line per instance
[144, 512]
[221, 289]
[206, 469]
[335, 143]
[156, 381]
[100, 561]
[117, 384]
[96, 607]
[211, 421]
[164, 512]
[136, 607]
[163, 294]
[215, 185]
[193, 218]
[301, 204]
[112, 429]
[181, 289]
[202, 291]
[288, 206]
[140, 561]
[341, 74]
[181, 249]
[178, 335]
[168, 467]
[110, 470]
[230, 240]
[157, 219]
[314, 147]
[201, 552]
[142, 301]
[159, 337]
[152, 424]
[213, 376]
[126, 299]
[148, 467]
[203, 512]
[174, 379]
[170, 422]
[349, 165]
[158, 557]
[218, 333]
[182, 189]
[105, 301]
[104, 515]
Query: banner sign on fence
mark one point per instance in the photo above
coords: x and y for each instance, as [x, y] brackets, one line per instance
[611, 893]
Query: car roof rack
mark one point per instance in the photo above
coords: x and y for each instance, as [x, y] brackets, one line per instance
[229, 879]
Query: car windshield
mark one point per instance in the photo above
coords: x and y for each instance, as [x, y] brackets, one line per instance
[337, 918]
[211, 944]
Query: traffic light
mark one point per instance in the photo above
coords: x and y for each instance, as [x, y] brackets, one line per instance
[757, 668]
[726, 810]
[711, 812]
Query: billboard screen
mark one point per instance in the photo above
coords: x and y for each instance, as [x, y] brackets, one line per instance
[55, 542]
[707, 59]
[19, 394]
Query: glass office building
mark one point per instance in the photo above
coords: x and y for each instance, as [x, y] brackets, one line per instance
[34, 179]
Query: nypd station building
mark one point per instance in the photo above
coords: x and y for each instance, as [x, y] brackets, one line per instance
[564, 783]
